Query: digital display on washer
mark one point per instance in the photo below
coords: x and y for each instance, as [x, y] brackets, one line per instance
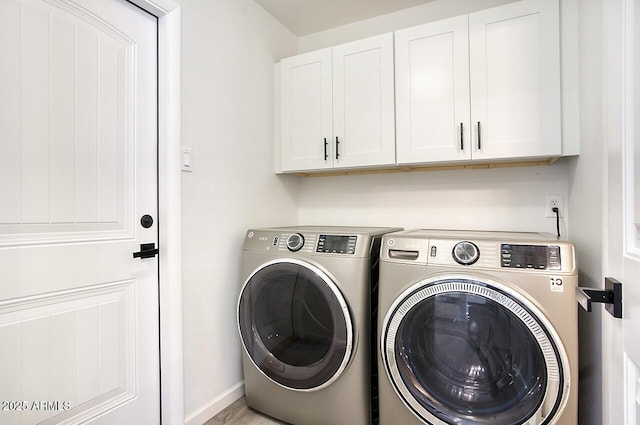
[337, 244]
[529, 256]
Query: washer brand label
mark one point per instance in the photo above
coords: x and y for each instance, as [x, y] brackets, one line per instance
[556, 284]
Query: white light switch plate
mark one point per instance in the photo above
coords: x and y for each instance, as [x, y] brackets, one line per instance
[187, 160]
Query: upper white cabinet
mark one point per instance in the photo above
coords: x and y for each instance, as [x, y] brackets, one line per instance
[514, 55]
[337, 107]
[432, 92]
[306, 111]
[482, 86]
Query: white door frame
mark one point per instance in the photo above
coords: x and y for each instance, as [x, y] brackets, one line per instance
[169, 207]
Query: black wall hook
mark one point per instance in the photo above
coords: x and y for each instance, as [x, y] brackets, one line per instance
[611, 297]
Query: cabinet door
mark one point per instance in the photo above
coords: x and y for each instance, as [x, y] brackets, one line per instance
[515, 80]
[306, 101]
[363, 104]
[432, 92]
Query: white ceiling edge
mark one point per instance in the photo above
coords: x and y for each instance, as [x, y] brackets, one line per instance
[303, 17]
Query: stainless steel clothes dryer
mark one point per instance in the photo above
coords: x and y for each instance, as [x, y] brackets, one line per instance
[304, 316]
[477, 328]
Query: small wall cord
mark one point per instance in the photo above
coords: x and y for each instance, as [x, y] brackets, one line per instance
[555, 210]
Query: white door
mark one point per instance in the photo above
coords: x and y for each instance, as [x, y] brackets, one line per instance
[78, 140]
[363, 103]
[515, 80]
[306, 121]
[621, 345]
[432, 92]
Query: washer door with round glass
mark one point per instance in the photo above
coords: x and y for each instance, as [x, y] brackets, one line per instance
[295, 325]
[472, 351]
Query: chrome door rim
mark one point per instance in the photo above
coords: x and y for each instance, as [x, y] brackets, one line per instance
[345, 314]
[556, 360]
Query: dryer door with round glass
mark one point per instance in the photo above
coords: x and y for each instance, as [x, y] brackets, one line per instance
[472, 351]
[295, 325]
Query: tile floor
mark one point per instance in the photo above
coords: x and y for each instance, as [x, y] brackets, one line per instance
[239, 414]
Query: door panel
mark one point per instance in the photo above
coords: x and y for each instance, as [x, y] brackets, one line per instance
[631, 185]
[631, 200]
[621, 346]
[72, 348]
[72, 144]
[78, 168]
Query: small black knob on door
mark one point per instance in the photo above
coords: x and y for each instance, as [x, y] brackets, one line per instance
[146, 221]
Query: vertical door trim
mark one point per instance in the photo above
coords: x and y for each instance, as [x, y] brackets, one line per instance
[169, 208]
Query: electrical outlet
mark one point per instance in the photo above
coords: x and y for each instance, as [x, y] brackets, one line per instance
[554, 201]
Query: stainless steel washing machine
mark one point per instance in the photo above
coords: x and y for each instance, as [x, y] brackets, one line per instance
[477, 328]
[304, 317]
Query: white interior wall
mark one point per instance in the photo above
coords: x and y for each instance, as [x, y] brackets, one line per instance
[483, 199]
[228, 51]
[586, 201]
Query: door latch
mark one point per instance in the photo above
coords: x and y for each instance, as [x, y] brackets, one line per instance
[147, 250]
[611, 297]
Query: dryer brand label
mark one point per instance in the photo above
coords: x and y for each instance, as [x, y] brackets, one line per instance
[556, 284]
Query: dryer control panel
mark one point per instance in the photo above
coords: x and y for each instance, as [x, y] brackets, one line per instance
[320, 243]
[337, 244]
[325, 241]
[539, 257]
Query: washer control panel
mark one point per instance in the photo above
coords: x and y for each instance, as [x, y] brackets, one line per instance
[539, 257]
[534, 253]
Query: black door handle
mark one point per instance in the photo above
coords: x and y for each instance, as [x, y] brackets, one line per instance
[611, 297]
[147, 250]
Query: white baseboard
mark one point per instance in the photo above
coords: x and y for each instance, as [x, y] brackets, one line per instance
[216, 405]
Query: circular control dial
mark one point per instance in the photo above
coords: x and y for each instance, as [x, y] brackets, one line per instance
[295, 242]
[466, 253]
